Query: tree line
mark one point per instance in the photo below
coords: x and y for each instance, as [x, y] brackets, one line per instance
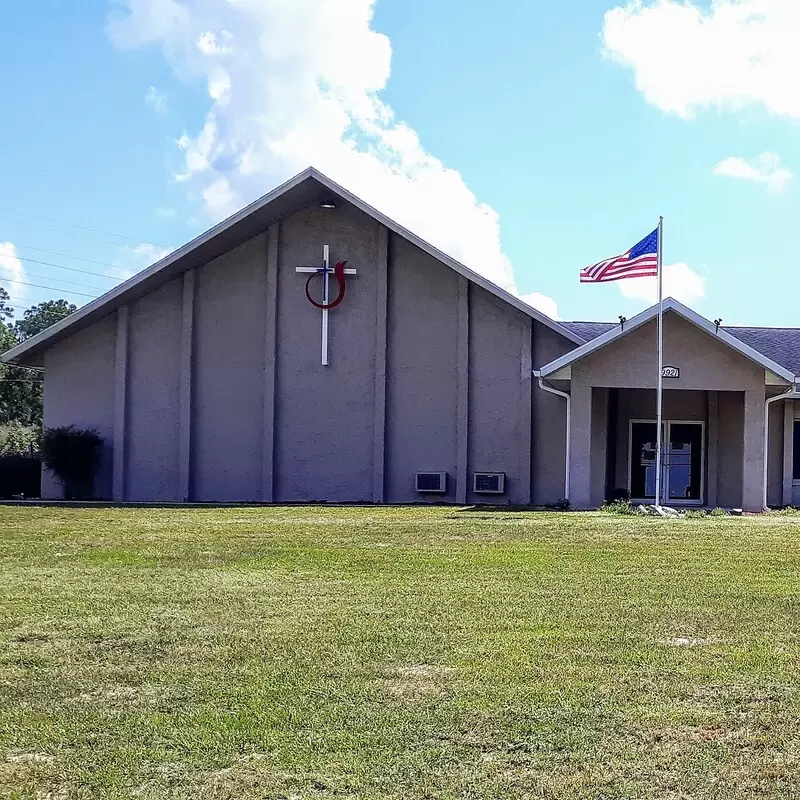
[21, 388]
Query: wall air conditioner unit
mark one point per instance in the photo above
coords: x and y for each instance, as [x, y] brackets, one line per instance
[431, 482]
[489, 482]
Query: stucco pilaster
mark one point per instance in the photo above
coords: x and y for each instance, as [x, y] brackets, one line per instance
[185, 414]
[580, 493]
[120, 405]
[753, 461]
[788, 450]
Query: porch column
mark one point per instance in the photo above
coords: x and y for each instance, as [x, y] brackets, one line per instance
[599, 445]
[753, 461]
[580, 468]
[712, 448]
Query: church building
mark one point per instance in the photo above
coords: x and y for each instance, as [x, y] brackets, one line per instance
[310, 349]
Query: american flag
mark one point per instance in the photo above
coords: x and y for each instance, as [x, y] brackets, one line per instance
[641, 261]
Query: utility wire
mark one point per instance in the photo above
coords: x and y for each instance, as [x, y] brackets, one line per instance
[72, 269]
[82, 235]
[51, 288]
[51, 278]
[79, 227]
[67, 255]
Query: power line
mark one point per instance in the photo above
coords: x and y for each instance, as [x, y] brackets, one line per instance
[72, 269]
[51, 278]
[80, 227]
[67, 255]
[82, 235]
[50, 288]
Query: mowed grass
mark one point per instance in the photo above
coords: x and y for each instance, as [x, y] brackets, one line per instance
[396, 653]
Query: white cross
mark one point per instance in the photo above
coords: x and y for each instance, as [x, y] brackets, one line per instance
[325, 271]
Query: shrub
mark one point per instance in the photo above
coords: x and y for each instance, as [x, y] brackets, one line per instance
[622, 508]
[718, 512]
[695, 513]
[71, 455]
[789, 511]
[558, 505]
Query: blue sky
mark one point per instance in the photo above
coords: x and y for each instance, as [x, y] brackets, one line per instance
[528, 139]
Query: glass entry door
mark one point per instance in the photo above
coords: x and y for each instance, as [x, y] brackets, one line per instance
[682, 462]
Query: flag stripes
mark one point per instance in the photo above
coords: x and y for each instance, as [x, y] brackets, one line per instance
[641, 261]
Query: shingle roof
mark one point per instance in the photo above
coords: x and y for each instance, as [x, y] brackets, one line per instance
[782, 345]
[589, 330]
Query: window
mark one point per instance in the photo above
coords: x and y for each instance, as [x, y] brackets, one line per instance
[796, 451]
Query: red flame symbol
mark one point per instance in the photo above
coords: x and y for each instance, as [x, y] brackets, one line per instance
[338, 273]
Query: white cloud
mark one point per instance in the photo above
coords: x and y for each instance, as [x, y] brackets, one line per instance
[766, 169]
[680, 282]
[686, 56]
[11, 269]
[156, 99]
[134, 259]
[541, 302]
[146, 254]
[293, 84]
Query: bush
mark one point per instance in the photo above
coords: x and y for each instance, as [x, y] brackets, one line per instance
[558, 505]
[789, 511]
[718, 512]
[695, 513]
[622, 508]
[71, 455]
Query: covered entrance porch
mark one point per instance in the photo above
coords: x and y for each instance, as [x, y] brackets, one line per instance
[702, 462]
[727, 431]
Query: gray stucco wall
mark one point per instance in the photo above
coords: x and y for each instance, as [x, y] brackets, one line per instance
[79, 390]
[324, 415]
[422, 374]
[731, 448]
[151, 438]
[704, 362]
[228, 407]
[499, 394]
[775, 455]
[549, 422]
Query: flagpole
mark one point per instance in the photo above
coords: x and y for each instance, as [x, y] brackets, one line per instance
[660, 390]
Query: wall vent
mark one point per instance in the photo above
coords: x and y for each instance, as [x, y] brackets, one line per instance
[431, 482]
[489, 482]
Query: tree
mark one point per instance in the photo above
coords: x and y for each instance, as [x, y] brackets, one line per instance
[42, 316]
[20, 388]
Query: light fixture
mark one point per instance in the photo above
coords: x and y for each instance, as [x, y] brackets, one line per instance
[327, 204]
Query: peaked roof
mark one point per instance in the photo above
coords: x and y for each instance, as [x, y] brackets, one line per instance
[305, 189]
[774, 353]
[782, 345]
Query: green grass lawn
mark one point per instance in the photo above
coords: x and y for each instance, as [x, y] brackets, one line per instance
[397, 653]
